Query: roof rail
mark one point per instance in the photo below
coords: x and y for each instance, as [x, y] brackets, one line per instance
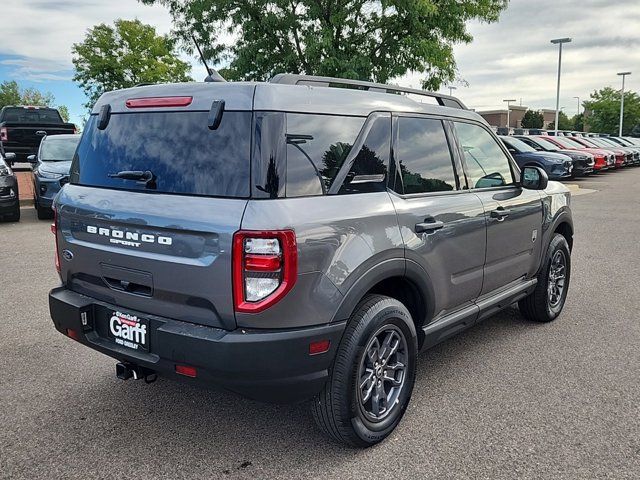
[292, 79]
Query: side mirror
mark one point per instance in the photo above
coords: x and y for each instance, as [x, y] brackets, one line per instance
[31, 159]
[10, 157]
[534, 178]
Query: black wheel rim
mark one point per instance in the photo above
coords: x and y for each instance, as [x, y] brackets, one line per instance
[382, 372]
[557, 279]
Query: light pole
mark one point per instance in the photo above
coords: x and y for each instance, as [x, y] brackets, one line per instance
[578, 98]
[559, 41]
[509, 102]
[451, 89]
[622, 74]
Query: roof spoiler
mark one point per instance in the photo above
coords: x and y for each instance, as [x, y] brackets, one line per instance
[291, 79]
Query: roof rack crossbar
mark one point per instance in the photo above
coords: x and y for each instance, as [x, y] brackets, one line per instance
[292, 79]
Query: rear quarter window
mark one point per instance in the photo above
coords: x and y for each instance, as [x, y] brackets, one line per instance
[317, 146]
[185, 156]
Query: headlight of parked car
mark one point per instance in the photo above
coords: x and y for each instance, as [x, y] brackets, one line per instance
[49, 175]
[4, 171]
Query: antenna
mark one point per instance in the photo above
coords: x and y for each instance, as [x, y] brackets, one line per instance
[212, 75]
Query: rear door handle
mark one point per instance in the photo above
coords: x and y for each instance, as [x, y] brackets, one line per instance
[500, 213]
[41, 133]
[429, 226]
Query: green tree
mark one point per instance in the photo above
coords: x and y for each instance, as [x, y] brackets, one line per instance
[359, 39]
[31, 96]
[604, 107]
[123, 56]
[578, 122]
[64, 112]
[532, 119]
[10, 93]
[564, 123]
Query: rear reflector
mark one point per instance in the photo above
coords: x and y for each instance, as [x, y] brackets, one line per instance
[187, 371]
[158, 102]
[320, 346]
[71, 333]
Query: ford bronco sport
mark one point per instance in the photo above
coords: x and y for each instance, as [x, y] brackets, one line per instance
[292, 240]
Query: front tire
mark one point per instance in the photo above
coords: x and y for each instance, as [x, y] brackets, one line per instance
[373, 374]
[548, 299]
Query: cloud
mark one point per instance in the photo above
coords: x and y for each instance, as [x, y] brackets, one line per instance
[515, 59]
[508, 59]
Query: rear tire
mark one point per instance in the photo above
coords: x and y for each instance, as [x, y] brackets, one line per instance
[373, 374]
[43, 213]
[548, 299]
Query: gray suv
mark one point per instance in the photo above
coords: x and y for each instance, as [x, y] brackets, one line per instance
[299, 239]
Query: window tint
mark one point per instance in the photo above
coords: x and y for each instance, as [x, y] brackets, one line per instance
[424, 156]
[58, 149]
[369, 170]
[317, 146]
[32, 115]
[486, 163]
[177, 147]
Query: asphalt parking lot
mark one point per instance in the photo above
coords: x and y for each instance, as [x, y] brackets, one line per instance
[506, 399]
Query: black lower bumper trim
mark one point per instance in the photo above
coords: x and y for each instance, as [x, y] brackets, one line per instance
[266, 365]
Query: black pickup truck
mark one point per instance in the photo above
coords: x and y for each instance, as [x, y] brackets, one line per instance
[22, 128]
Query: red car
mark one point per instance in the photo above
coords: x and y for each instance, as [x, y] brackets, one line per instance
[621, 155]
[605, 159]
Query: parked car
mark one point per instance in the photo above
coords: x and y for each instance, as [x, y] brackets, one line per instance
[9, 194]
[605, 159]
[631, 154]
[621, 157]
[583, 162]
[262, 237]
[557, 165]
[51, 170]
[23, 127]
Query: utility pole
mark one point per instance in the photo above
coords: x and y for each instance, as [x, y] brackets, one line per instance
[509, 102]
[559, 41]
[622, 74]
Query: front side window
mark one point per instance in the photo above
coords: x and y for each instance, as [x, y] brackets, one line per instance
[423, 156]
[317, 146]
[486, 163]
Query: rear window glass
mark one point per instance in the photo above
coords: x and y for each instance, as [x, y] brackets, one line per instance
[317, 146]
[184, 155]
[31, 115]
[53, 149]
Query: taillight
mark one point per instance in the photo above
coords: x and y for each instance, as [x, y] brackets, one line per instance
[54, 230]
[265, 268]
[4, 134]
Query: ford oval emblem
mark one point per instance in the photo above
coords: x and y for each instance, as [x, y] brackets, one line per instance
[67, 255]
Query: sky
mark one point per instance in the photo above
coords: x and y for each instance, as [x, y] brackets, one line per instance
[512, 58]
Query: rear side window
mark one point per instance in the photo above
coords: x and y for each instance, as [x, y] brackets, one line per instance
[317, 146]
[486, 164]
[369, 170]
[184, 155]
[424, 157]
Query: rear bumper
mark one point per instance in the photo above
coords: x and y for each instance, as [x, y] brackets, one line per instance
[9, 202]
[266, 365]
[21, 151]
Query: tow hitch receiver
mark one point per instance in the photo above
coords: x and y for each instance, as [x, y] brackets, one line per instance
[125, 371]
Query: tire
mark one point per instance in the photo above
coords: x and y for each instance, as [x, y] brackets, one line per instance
[542, 305]
[341, 409]
[44, 213]
[13, 217]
